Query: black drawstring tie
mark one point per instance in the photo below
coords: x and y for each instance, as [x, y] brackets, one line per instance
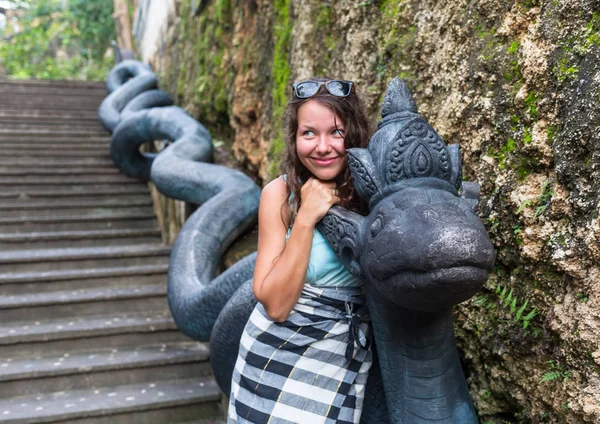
[359, 334]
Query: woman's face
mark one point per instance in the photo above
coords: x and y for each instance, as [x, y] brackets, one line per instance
[319, 141]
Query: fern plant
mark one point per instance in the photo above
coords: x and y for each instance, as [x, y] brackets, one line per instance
[510, 301]
[556, 373]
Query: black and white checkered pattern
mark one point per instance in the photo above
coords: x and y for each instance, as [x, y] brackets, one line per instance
[297, 371]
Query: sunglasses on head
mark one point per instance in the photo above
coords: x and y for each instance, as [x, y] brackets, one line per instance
[306, 89]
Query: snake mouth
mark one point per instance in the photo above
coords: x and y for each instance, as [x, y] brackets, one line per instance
[433, 290]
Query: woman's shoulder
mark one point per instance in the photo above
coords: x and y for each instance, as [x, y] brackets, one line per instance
[276, 187]
[272, 199]
[274, 192]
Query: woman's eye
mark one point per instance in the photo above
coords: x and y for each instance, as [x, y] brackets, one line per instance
[308, 133]
[338, 132]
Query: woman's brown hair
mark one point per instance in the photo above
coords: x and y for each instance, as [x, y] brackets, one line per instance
[350, 110]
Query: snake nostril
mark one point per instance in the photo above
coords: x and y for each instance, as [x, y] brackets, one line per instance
[377, 226]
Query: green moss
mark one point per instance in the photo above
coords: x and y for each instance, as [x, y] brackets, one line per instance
[531, 103]
[391, 9]
[280, 75]
[528, 4]
[527, 135]
[506, 149]
[576, 47]
[207, 37]
[592, 31]
[397, 41]
[323, 38]
[323, 19]
[563, 70]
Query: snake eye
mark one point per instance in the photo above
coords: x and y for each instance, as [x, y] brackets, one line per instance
[377, 226]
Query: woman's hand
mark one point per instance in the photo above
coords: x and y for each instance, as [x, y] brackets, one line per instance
[317, 197]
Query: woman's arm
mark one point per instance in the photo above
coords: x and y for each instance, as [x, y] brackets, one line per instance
[280, 269]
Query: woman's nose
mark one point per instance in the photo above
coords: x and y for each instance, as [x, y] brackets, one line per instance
[323, 145]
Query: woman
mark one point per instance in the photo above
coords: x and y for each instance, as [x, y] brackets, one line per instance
[305, 352]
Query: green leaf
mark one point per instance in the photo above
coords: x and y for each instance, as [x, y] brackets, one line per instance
[530, 315]
[513, 306]
[521, 310]
[550, 376]
[507, 301]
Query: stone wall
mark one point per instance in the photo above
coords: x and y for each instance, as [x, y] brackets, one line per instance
[516, 83]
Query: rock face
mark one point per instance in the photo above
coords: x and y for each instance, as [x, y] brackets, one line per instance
[516, 83]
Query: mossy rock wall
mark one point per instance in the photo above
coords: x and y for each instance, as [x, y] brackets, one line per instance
[516, 83]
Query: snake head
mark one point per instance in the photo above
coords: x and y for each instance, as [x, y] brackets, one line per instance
[422, 245]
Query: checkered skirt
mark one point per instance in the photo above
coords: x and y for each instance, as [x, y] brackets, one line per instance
[308, 369]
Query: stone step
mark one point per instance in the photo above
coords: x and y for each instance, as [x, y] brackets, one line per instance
[16, 153]
[55, 239]
[58, 163]
[58, 196]
[96, 368]
[30, 142]
[94, 190]
[56, 98]
[98, 360]
[80, 295]
[65, 180]
[184, 368]
[38, 84]
[27, 102]
[72, 209]
[49, 133]
[159, 402]
[82, 274]
[128, 338]
[84, 301]
[102, 202]
[36, 147]
[20, 283]
[14, 170]
[50, 124]
[27, 224]
[53, 102]
[51, 118]
[83, 257]
[43, 104]
[85, 327]
[39, 124]
[33, 114]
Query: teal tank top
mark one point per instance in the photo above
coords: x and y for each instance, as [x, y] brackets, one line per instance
[324, 266]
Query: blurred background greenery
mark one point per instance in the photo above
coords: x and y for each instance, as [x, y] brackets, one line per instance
[56, 39]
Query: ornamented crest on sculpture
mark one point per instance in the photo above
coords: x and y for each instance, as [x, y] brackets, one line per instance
[416, 150]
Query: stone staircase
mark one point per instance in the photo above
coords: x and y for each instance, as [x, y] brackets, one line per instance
[85, 331]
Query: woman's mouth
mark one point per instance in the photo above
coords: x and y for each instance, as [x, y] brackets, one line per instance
[324, 161]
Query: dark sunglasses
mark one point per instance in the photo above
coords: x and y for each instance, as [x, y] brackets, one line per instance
[306, 89]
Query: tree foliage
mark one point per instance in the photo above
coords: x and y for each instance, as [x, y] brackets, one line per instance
[60, 39]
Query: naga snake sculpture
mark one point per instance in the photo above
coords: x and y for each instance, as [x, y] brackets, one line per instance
[421, 249]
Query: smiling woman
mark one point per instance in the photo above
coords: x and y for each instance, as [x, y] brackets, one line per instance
[305, 351]
[320, 140]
